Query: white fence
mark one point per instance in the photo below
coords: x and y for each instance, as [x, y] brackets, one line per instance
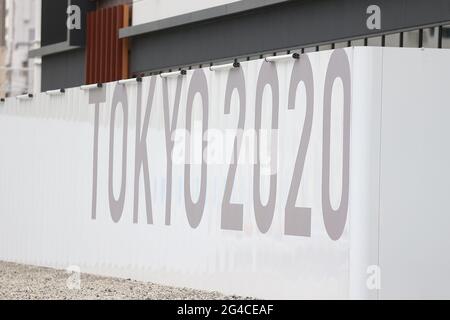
[263, 180]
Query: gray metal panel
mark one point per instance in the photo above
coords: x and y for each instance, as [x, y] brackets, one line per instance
[53, 21]
[51, 49]
[63, 70]
[289, 24]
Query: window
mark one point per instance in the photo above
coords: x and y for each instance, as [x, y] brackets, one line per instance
[359, 42]
[310, 49]
[393, 40]
[341, 45]
[446, 37]
[375, 42]
[31, 35]
[431, 37]
[325, 47]
[411, 39]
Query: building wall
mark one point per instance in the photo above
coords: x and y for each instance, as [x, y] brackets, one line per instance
[2, 22]
[221, 33]
[21, 35]
[63, 70]
[2, 72]
[2, 48]
[54, 16]
[306, 26]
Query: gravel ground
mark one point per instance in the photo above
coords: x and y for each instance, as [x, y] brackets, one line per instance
[27, 283]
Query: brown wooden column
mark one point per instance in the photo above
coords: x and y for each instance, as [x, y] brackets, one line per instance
[106, 54]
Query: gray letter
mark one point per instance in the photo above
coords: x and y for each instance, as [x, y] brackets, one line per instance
[335, 220]
[298, 220]
[264, 213]
[169, 129]
[116, 206]
[141, 156]
[232, 213]
[194, 210]
[96, 97]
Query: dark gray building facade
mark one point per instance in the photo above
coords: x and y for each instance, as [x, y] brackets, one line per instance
[246, 30]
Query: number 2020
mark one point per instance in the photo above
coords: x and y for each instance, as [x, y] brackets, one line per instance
[297, 219]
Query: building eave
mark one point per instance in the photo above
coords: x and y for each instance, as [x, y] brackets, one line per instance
[52, 49]
[197, 16]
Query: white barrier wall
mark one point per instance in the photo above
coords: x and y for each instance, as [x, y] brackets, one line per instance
[140, 180]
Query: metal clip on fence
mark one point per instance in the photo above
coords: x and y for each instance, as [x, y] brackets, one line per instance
[225, 66]
[173, 74]
[26, 96]
[283, 57]
[57, 92]
[132, 80]
[88, 87]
